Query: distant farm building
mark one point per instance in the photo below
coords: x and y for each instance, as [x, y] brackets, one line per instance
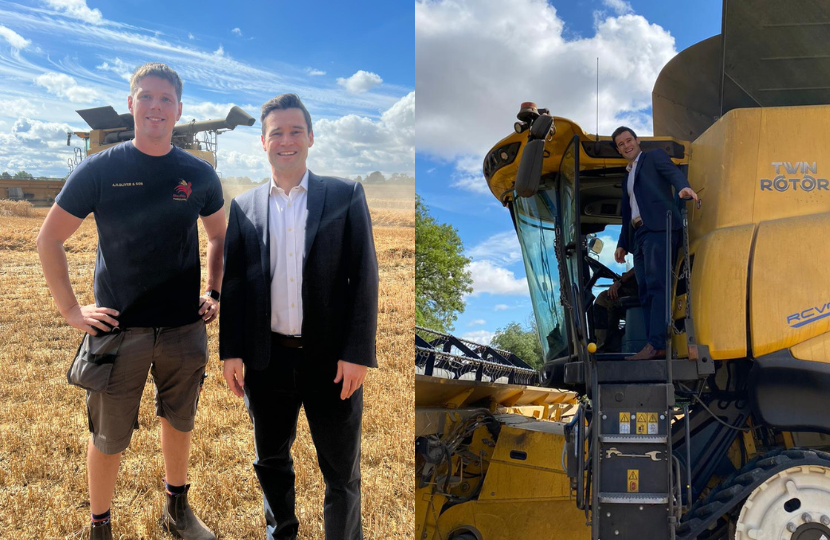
[38, 192]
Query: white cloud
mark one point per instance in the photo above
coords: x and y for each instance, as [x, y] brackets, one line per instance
[314, 72]
[17, 107]
[489, 278]
[352, 144]
[620, 7]
[207, 110]
[362, 81]
[477, 322]
[501, 307]
[237, 31]
[525, 56]
[482, 337]
[35, 146]
[119, 67]
[14, 39]
[62, 85]
[468, 175]
[77, 9]
[502, 248]
[606, 256]
[253, 162]
[93, 73]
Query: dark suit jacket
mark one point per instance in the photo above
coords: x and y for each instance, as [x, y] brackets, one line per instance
[340, 277]
[653, 179]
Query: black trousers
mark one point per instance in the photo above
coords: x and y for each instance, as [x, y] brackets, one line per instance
[273, 397]
[650, 270]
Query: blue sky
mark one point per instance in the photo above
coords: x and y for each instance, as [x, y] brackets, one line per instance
[352, 64]
[473, 72]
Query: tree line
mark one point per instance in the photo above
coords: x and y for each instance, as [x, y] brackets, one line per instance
[442, 280]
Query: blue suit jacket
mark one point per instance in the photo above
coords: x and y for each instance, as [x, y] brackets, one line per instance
[340, 277]
[654, 177]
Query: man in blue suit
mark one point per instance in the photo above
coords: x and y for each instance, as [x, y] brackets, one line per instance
[647, 196]
[300, 307]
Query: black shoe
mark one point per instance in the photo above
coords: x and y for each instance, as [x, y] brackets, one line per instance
[179, 519]
[101, 532]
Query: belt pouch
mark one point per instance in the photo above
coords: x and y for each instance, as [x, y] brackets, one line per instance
[92, 365]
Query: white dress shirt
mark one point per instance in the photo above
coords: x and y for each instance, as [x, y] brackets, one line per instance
[632, 170]
[288, 214]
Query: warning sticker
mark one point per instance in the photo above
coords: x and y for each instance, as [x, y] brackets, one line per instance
[625, 423]
[652, 423]
[642, 423]
[633, 483]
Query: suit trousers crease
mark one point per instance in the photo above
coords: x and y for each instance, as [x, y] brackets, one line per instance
[274, 397]
[650, 271]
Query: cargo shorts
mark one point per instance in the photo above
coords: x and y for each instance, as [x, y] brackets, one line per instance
[175, 357]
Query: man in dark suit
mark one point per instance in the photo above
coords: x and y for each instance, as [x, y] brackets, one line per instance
[300, 302]
[647, 196]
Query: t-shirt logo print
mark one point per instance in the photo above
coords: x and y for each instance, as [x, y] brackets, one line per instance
[182, 191]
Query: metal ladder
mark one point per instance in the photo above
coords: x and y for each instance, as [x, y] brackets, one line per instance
[635, 480]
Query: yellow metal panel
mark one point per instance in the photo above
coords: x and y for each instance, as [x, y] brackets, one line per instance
[722, 171]
[719, 284]
[789, 283]
[427, 511]
[815, 350]
[520, 520]
[538, 475]
[790, 158]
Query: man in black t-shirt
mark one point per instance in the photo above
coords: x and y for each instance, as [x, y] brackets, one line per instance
[146, 196]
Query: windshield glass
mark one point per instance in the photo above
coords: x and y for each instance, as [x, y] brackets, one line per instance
[536, 225]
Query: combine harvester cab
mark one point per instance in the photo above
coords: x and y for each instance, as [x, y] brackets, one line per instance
[726, 437]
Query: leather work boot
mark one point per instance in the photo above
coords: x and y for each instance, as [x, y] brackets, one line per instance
[179, 519]
[101, 532]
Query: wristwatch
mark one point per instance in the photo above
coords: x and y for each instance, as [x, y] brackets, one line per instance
[213, 294]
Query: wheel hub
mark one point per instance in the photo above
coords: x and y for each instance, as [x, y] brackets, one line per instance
[792, 505]
[811, 531]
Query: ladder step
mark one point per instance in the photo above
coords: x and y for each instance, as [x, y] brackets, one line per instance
[633, 439]
[633, 498]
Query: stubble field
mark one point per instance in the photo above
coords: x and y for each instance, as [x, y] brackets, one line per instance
[43, 424]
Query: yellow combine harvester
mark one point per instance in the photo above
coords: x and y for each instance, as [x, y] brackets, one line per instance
[110, 128]
[726, 439]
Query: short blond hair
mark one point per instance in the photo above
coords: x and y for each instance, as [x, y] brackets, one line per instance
[156, 69]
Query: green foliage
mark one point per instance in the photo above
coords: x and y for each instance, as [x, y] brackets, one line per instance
[22, 175]
[5, 175]
[375, 178]
[523, 343]
[441, 275]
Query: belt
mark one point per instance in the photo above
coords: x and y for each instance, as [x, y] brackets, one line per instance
[290, 342]
[637, 222]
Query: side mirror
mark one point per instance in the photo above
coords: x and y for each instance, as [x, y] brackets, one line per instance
[529, 174]
[595, 245]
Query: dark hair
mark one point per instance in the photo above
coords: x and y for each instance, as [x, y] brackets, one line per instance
[284, 101]
[156, 69]
[619, 131]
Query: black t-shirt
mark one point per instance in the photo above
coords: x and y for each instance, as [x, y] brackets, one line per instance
[145, 209]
